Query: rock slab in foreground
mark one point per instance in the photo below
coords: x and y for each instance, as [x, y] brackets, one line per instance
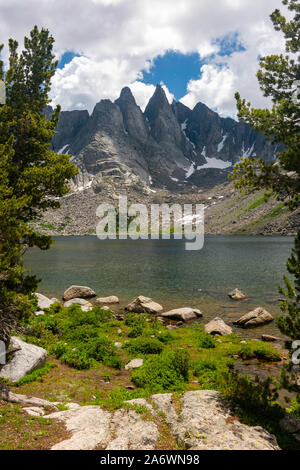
[218, 327]
[206, 422]
[184, 314]
[257, 317]
[144, 305]
[81, 292]
[25, 361]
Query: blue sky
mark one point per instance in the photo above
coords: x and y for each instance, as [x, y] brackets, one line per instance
[201, 51]
[175, 69]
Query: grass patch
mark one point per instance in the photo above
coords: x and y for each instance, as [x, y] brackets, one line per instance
[35, 375]
[258, 202]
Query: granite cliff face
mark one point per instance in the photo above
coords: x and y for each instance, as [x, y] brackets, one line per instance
[167, 146]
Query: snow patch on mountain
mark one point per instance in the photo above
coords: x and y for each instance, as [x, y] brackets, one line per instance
[215, 163]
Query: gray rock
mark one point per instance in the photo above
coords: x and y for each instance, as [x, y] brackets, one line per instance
[206, 422]
[134, 364]
[25, 400]
[78, 301]
[270, 339]
[34, 411]
[25, 361]
[237, 294]
[75, 292]
[257, 317]
[217, 327]
[107, 300]
[43, 301]
[144, 305]
[291, 426]
[93, 427]
[185, 314]
[39, 312]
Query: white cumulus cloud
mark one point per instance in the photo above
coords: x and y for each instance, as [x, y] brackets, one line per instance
[118, 39]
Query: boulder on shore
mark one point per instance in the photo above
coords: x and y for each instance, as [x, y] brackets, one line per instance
[184, 314]
[237, 294]
[217, 327]
[43, 301]
[112, 299]
[144, 305]
[78, 301]
[257, 317]
[24, 361]
[82, 292]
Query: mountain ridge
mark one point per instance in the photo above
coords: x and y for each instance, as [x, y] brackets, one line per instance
[168, 145]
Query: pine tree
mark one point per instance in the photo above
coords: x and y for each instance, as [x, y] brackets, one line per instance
[33, 177]
[279, 78]
[289, 324]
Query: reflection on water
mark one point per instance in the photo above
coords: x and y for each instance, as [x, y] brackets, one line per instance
[164, 271]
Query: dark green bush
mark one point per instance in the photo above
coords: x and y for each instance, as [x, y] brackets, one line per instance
[144, 346]
[207, 341]
[163, 372]
[136, 331]
[166, 338]
[135, 320]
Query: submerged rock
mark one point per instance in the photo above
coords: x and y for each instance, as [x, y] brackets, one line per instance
[144, 305]
[183, 314]
[257, 317]
[82, 292]
[24, 361]
[237, 294]
[217, 327]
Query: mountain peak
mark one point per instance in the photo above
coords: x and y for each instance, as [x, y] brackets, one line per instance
[158, 102]
[126, 96]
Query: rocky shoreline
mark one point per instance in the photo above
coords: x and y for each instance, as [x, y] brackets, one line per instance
[195, 420]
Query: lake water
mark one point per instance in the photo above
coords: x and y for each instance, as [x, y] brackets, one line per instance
[164, 271]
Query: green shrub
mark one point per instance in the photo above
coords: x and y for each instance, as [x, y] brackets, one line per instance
[83, 355]
[260, 351]
[294, 409]
[166, 372]
[136, 331]
[135, 320]
[144, 346]
[207, 342]
[35, 375]
[200, 367]
[166, 338]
